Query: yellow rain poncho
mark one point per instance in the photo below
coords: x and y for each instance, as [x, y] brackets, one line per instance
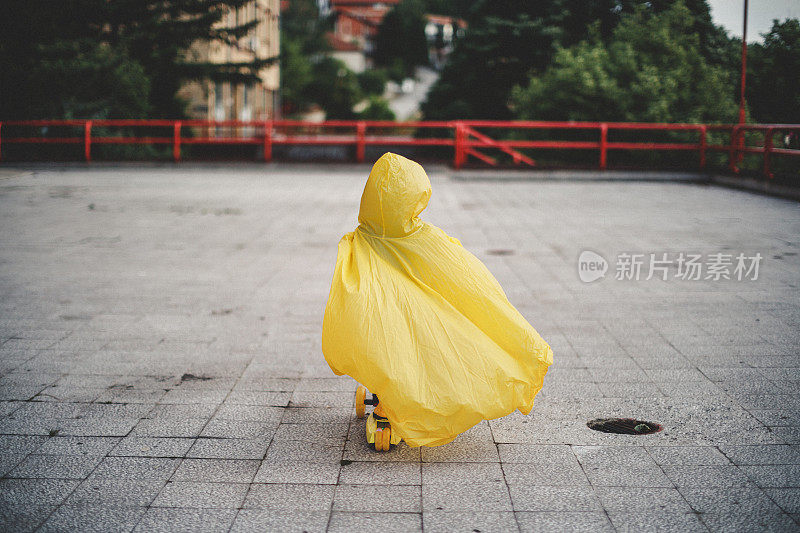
[421, 322]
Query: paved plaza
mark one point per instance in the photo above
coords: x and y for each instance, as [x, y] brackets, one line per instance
[160, 362]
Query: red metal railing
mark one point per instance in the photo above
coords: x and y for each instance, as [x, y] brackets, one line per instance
[464, 137]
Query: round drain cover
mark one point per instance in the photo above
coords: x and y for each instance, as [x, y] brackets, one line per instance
[624, 426]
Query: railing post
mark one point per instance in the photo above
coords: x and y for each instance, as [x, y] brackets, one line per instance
[703, 146]
[603, 145]
[267, 141]
[361, 129]
[458, 152]
[732, 157]
[768, 134]
[176, 141]
[87, 140]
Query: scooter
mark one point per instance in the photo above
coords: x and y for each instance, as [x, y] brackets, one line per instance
[379, 431]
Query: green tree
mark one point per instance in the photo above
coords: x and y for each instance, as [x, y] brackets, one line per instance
[335, 88]
[508, 41]
[95, 58]
[401, 38]
[773, 82]
[652, 70]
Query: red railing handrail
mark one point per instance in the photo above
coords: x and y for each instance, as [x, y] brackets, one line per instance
[462, 136]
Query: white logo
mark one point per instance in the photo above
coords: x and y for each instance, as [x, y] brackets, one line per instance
[591, 266]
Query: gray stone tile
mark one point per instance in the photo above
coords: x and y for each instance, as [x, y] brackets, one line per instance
[771, 519]
[762, 455]
[56, 466]
[177, 520]
[261, 398]
[169, 427]
[238, 429]
[93, 518]
[311, 432]
[462, 451]
[391, 522]
[535, 453]
[478, 496]
[656, 521]
[323, 451]
[319, 415]
[298, 472]
[98, 427]
[9, 461]
[35, 491]
[613, 455]
[787, 499]
[152, 447]
[773, 475]
[641, 499]
[201, 495]
[567, 474]
[23, 517]
[116, 492]
[687, 455]
[563, 521]
[78, 446]
[626, 476]
[271, 520]
[249, 413]
[706, 476]
[21, 444]
[549, 498]
[172, 411]
[383, 473]
[442, 521]
[216, 470]
[377, 498]
[180, 396]
[136, 468]
[290, 497]
[461, 473]
[228, 449]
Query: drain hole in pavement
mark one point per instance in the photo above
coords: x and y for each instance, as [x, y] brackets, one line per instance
[625, 426]
[500, 252]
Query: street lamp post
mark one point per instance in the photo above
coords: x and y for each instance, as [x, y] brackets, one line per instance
[744, 66]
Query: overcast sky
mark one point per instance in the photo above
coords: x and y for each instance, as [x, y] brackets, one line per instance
[728, 14]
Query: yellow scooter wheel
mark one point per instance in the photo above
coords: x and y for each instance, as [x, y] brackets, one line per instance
[361, 396]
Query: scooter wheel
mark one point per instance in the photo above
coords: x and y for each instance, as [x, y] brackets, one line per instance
[361, 396]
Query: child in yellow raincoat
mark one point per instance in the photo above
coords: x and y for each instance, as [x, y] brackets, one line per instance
[422, 323]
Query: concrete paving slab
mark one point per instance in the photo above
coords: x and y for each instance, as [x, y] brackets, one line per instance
[180, 316]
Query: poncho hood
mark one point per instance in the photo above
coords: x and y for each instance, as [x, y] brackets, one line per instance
[397, 191]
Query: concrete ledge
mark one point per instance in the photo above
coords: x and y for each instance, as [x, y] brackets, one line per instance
[769, 188]
[578, 175]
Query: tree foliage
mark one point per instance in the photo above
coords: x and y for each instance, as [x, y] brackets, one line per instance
[509, 41]
[401, 42]
[773, 83]
[95, 58]
[651, 70]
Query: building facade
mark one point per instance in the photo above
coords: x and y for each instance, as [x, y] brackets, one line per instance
[258, 100]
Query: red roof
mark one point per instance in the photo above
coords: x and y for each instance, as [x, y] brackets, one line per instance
[341, 45]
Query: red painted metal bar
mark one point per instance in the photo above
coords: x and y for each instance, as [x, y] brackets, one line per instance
[87, 141]
[267, 141]
[461, 135]
[176, 141]
[603, 146]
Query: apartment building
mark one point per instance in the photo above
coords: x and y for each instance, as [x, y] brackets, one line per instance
[239, 101]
